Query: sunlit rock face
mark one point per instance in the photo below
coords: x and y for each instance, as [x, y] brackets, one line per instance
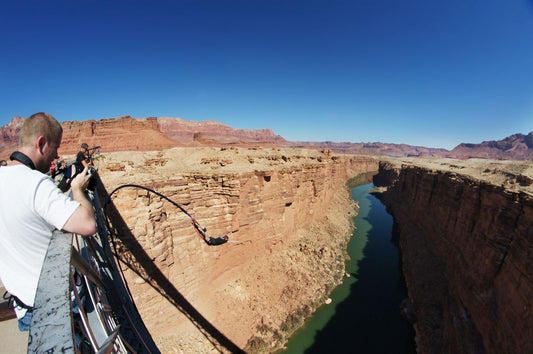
[466, 235]
[115, 134]
[288, 209]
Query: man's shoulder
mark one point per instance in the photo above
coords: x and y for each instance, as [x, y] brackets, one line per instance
[19, 183]
[21, 174]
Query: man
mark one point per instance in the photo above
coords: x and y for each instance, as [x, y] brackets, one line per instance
[211, 241]
[215, 241]
[83, 155]
[83, 159]
[32, 207]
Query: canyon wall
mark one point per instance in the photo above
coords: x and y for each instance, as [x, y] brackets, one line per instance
[287, 214]
[466, 235]
[114, 134]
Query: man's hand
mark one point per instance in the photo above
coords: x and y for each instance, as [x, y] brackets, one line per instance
[81, 181]
[82, 221]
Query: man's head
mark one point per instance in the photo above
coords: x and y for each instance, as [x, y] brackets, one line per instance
[84, 146]
[40, 138]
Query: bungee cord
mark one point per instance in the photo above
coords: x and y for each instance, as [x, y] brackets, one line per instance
[202, 231]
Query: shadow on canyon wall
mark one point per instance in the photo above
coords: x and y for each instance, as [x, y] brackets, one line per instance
[133, 256]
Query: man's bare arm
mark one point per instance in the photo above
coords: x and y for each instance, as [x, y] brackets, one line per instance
[82, 221]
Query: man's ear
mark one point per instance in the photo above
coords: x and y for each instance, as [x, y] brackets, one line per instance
[40, 142]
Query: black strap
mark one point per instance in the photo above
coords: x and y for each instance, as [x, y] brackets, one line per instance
[13, 300]
[20, 157]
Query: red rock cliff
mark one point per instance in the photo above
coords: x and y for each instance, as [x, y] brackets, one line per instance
[114, 134]
[467, 248]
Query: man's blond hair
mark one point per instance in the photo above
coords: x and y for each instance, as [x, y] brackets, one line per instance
[40, 124]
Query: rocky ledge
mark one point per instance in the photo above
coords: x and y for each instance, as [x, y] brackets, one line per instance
[466, 235]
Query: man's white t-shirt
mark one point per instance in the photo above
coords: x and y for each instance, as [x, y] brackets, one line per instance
[31, 208]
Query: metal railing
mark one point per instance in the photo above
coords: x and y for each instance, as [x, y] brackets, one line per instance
[82, 304]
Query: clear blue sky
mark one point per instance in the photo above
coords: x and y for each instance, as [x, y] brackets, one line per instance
[421, 72]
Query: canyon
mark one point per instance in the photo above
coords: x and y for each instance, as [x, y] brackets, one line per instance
[465, 227]
[466, 236]
[286, 212]
[465, 233]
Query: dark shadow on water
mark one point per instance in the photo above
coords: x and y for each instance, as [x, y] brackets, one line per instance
[132, 254]
[369, 320]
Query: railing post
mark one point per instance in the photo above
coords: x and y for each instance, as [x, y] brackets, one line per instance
[51, 325]
[106, 318]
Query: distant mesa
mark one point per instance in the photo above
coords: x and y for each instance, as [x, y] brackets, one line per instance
[115, 134]
[9, 137]
[10, 132]
[375, 148]
[514, 147]
[142, 134]
[183, 131]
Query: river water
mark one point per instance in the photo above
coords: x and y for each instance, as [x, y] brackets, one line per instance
[364, 316]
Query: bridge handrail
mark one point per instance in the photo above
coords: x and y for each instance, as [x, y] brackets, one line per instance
[82, 270]
[51, 325]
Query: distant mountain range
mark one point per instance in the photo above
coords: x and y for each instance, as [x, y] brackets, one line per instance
[136, 134]
[514, 147]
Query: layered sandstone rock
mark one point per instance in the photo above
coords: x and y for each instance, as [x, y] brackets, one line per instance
[288, 209]
[466, 235]
[115, 134]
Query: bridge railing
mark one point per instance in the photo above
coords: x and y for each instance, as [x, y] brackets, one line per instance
[82, 304]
